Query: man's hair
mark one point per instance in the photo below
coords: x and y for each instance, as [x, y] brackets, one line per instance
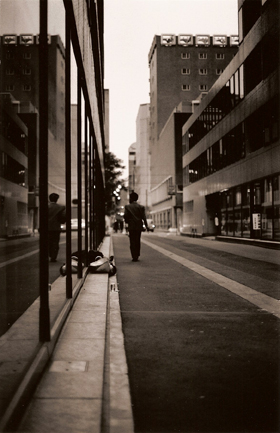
[53, 197]
[133, 196]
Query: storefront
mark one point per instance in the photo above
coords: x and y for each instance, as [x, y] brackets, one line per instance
[252, 210]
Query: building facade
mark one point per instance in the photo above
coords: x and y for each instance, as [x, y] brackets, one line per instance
[132, 167]
[182, 70]
[231, 142]
[20, 79]
[142, 167]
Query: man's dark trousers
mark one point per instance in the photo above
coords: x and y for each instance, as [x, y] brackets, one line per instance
[54, 236]
[135, 242]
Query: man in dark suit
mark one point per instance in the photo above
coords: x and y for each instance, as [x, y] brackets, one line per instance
[57, 216]
[135, 216]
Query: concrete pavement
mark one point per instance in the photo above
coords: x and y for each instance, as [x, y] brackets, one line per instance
[84, 387]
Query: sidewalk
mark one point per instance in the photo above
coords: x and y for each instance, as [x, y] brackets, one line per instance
[84, 386]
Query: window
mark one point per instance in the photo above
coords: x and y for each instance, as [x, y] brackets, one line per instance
[10, 55]
[185, 71]
[219, 71]
[26, 87]
[202, 56]
[185, 55]
[220, 56]
[10, 71]
[202, 71]
[10, 88]
[26, 55]
[26, 71]
[203, 87]
[186, 87]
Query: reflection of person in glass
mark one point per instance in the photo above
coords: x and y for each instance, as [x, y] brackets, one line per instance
[135, 216]
[57, 216]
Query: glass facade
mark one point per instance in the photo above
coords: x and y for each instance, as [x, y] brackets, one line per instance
[49, 143]
[257, 201]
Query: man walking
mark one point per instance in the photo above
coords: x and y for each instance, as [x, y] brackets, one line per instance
[57, 216]
[134, 216]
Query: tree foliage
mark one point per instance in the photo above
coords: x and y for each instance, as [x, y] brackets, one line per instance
[113, 171]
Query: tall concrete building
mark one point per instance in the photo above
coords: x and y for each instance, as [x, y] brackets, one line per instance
[182, 70]
[231, 142]
[132, 167]
[142, 168]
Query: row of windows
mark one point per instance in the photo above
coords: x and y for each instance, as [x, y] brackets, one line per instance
[11, 131]
[259, 199]
[24, 56]
[258, 130]
[258, 65]
[12, 170]
[25, 71]
[187, 87]
[25, 88]
[201, 71]
[228, 97]
[202, 56]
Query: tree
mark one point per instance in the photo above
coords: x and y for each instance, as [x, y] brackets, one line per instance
[113, 171]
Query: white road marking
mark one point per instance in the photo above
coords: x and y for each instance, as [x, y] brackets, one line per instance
[259, 299]
[16, 259]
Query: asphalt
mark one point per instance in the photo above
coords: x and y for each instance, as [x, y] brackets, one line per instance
[201, 329]
[169, 345]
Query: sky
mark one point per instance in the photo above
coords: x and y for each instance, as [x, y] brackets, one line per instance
[129, 29]
[130, 26]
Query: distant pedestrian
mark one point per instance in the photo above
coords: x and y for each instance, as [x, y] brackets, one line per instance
[135, 217]
[57, 216]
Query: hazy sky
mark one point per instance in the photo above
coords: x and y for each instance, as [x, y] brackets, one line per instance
[130, 26]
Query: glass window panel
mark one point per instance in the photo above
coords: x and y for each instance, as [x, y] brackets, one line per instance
[230, 223]
[223, 223]
[276, 188]
[277, 223]
[266, 219]
[236, 86]
[246, 223]
[241, 82]
[237, 223]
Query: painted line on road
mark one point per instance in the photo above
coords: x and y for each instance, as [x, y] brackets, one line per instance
[16, 259]
[259, 299]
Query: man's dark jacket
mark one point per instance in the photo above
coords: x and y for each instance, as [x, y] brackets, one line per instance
[134, 216]
[57, 216]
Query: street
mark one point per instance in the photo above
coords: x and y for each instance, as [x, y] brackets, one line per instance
[19, 275]
[201, 326]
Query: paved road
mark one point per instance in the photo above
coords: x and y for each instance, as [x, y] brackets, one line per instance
[201, 358]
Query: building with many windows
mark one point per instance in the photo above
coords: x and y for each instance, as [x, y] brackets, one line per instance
[182, 70]
[132, 167]
[13, 169]
[142, 164]
[231, 142]
[20, 79]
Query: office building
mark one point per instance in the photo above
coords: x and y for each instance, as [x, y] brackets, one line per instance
[182, 70]
[131, 167]
[231, 142]
[142, 163]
